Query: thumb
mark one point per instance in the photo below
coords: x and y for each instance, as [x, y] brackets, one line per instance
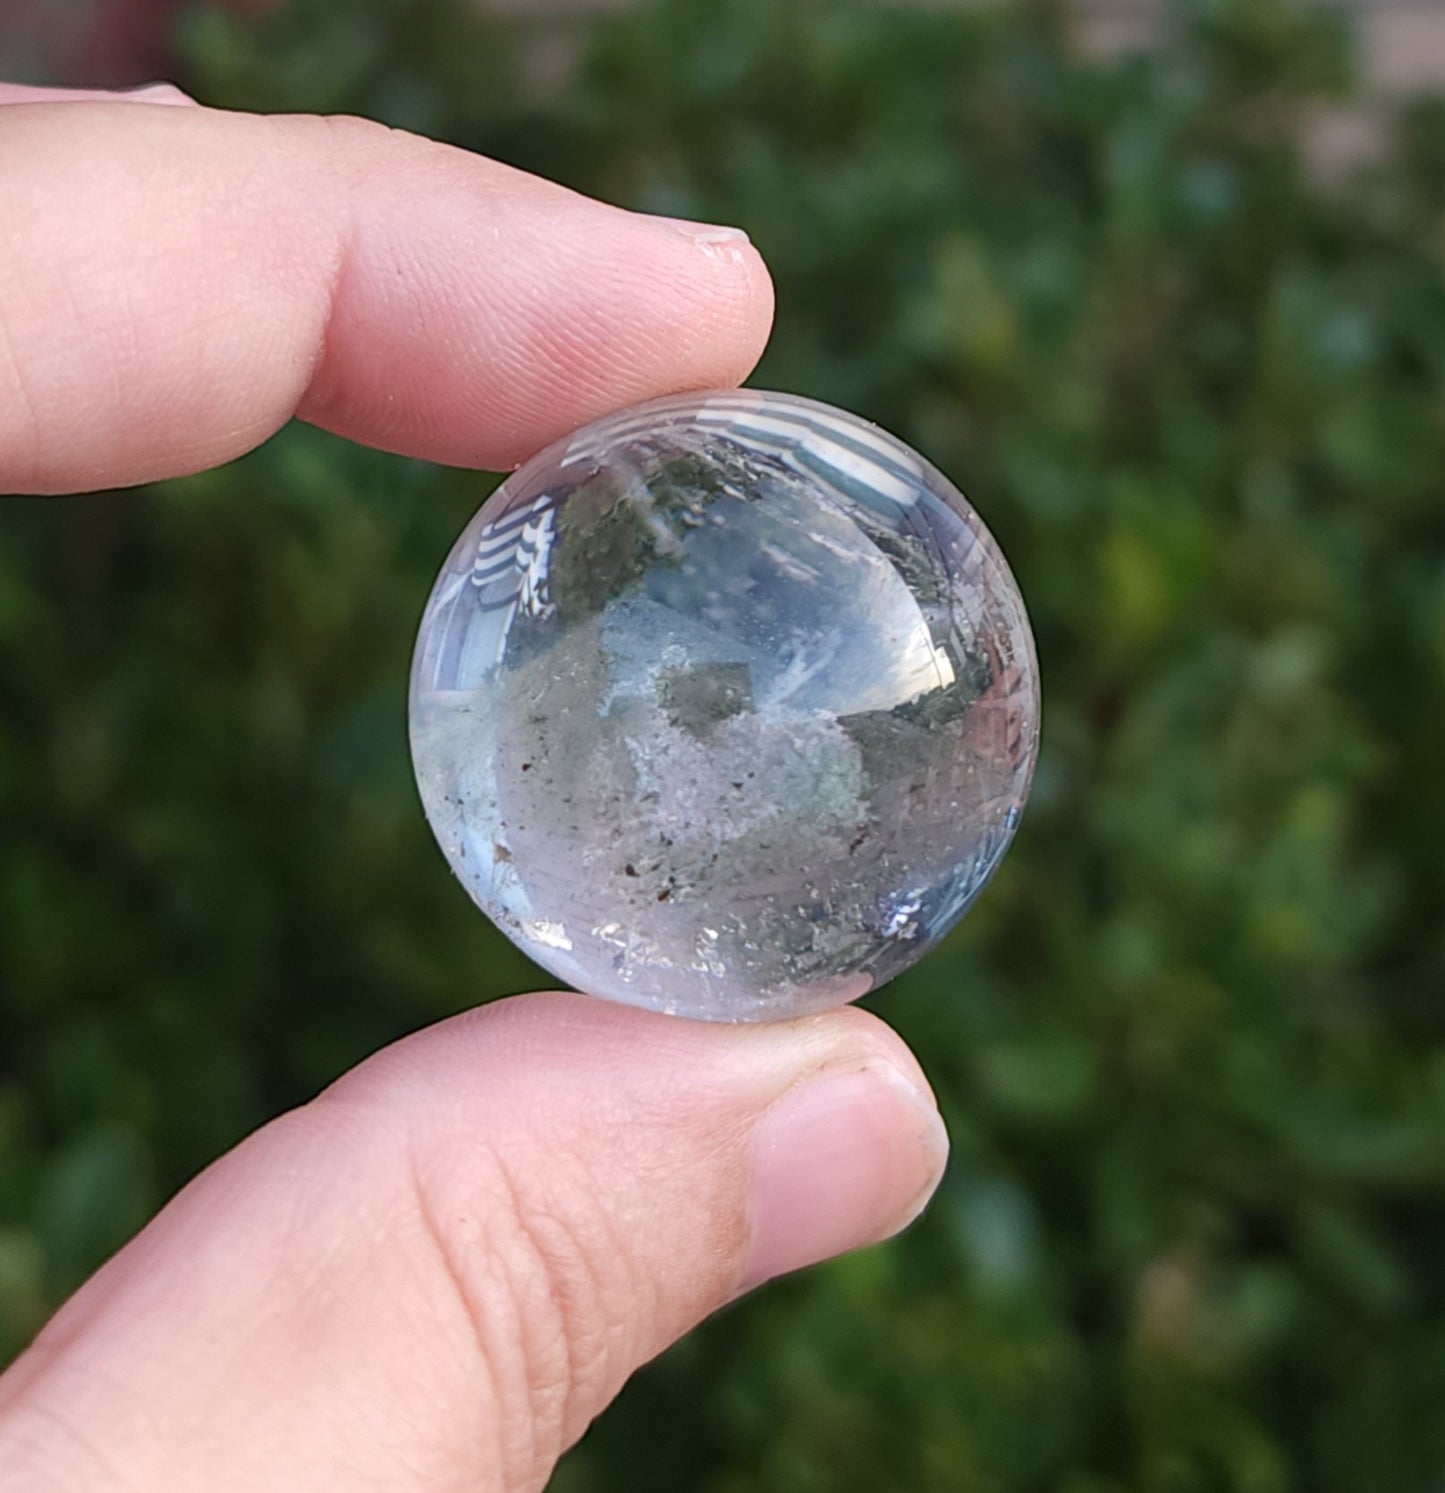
[433, 1276]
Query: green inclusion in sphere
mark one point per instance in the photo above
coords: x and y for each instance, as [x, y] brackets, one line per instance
[725, 706]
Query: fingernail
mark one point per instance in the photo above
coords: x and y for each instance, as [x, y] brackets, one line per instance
[156, 93]
[711, 238]
[846, 1158]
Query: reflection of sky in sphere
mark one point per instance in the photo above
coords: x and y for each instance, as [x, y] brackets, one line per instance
[759, 584]
[725, 706]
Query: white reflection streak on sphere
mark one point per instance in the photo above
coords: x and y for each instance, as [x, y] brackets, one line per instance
[725, 706]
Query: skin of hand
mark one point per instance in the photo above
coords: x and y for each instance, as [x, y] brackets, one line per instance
[435, 1274]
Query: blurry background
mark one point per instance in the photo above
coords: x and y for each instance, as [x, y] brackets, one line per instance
[1161, 288]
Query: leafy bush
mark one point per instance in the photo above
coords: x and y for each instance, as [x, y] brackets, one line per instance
[1190, 1045]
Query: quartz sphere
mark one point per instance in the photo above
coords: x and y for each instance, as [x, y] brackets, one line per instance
[725, 706]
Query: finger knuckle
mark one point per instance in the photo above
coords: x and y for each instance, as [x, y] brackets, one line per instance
[352, 136]
[547, 1290]
[21, 426]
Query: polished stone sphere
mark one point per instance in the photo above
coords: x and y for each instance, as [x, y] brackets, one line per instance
[725, 706]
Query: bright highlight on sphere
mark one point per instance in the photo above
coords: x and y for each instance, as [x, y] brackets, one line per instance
[725, 706]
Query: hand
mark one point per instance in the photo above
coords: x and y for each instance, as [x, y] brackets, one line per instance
[435, 1274]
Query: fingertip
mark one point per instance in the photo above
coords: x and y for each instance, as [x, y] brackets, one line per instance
[846, 1158]
[852, 1028]
[473, 328]
[741, 273]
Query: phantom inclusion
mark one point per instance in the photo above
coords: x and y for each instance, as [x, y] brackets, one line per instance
[725, 706]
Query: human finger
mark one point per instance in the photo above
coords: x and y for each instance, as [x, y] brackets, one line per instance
[176, 283]
[437, 1273]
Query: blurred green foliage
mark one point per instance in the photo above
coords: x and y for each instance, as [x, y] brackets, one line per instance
[1191, 1045]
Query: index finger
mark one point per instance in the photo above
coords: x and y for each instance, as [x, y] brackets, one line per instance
[175, 284]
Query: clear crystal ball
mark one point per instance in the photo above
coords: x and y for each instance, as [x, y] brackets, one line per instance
[725, 706]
